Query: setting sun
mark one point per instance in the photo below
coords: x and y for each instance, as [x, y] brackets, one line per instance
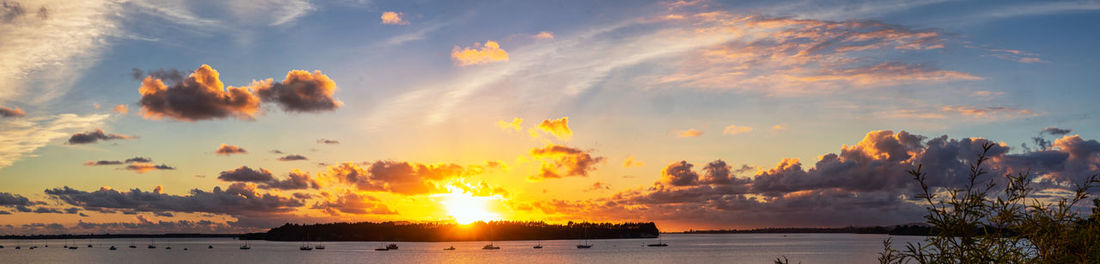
[467, 208]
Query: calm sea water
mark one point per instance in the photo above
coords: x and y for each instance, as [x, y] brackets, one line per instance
[683, 248]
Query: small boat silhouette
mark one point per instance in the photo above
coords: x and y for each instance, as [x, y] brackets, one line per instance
[168, 248]
[658, 244]
[539, 246]
[245, 247]
[113, 248]
[490, 246]
[452, 247]
[392, 246]
[319, 246]
[210, 246]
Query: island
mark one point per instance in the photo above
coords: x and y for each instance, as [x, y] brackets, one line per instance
[437, 232]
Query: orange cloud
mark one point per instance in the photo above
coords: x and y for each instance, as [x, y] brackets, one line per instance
[779, 127]
[558, 128]
[8, 112]
[561, 161]
[122, 109]
[229, 150]
[734, 130]
[478, 54]
[393, 18]
[142, 167]
[545, 35]
[690, 133]
[629, 162]
[515, 125]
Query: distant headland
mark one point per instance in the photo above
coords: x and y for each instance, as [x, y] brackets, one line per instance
[434, 232]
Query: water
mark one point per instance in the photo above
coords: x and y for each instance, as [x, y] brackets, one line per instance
[683, 248]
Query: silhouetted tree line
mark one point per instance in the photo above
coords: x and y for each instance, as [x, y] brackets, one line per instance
[900, 230]
[430, 232]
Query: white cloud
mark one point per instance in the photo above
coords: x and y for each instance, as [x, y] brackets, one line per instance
[47, 53]
[20, 137]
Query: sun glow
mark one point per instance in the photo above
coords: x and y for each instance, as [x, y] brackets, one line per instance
[466, 208]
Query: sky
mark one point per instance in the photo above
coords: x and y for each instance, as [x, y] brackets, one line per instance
[238, 116]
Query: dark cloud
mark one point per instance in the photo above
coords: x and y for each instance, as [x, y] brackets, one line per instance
[560, 161]
[296, 180]
[13, 200]
[237, 199]
[8, 112]
[47, 210]
[327, 141]
[292, 157]
[102, 162]
[95, 136]
[1055, 131]
[863, 184]
[229, 150]
[275, 151]
[138, 159]
[142, 167]
[352, 203]
[116, 162]
[10, 11]
[246, 174]
[164, 214]
[301, 91]
[201, 96]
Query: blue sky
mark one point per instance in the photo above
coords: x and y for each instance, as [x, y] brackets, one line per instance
[750, 83]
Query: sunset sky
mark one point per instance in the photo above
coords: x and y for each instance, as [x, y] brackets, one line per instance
[234, 115]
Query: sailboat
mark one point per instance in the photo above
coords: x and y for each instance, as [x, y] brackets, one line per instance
[539, 246]
[450, 248]
[305, 244]
[209, 246]
[586, 243]
[382, 248]
[132, 244]
[658, 244]
[152, 243]
[113, 248]
[246, 247]
[319, 246]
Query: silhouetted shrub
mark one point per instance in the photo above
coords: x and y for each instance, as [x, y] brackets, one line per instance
[975, 224]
